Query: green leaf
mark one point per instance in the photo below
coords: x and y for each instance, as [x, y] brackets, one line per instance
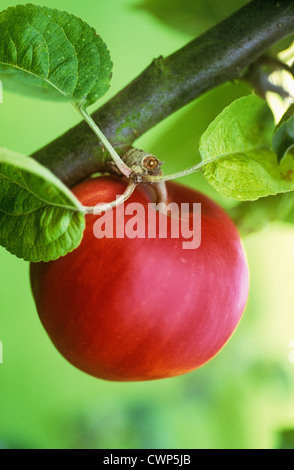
[246, 124]
[251, 175]
[237, 155]
[53, 54]
[40, 218]
[283, 138]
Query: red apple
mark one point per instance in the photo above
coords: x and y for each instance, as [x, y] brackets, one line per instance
[126, 309]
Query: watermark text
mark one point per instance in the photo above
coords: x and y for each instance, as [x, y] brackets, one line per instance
[179, 460]
[135, 220]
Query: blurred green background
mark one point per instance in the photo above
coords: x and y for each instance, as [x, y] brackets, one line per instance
[244, 397]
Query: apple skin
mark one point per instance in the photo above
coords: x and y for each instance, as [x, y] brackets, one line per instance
[139, 309]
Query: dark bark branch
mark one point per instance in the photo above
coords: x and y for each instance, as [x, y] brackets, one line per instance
[167, 84]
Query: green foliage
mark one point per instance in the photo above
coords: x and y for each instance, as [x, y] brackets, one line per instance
[40, 219]
[240, 162]
[283, 139]
[52, 54]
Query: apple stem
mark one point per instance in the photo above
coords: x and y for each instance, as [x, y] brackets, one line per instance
[103, 207]
[160, 192]
[161, 178]
[123, 168]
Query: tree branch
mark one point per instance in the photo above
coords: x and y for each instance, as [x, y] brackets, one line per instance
[167, 84]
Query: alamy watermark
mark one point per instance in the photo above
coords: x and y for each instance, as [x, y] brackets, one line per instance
[135, 220]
